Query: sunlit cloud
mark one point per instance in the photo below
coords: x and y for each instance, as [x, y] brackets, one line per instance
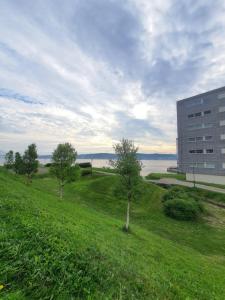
[91, 72]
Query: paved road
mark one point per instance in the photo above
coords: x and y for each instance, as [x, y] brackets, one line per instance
[172, 181]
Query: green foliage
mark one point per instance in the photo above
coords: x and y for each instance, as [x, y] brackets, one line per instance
[86, 171]
[30, 162]
[182, 204]
[126, 164]
[120, 191]
[153, 176]
[74, 173]
[19, 165]
[9, 160]
[63, 158]
[48, 165]
[182, 209]
[128, 167]
[175, 192]
[157, 176]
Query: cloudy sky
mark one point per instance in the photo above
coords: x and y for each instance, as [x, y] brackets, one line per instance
[93, 71]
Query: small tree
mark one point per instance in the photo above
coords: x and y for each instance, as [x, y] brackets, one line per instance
[18, 164]
[63, 159]
[128, 167]
[9, 160]
[30, 162]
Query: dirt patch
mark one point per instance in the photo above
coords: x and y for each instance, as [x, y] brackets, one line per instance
[215, 216]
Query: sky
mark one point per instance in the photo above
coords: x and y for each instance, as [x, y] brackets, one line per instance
[91, 72]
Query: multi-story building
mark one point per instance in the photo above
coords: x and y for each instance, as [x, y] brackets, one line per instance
[201, 136]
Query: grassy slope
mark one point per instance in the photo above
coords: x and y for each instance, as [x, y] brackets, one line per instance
[75, 248]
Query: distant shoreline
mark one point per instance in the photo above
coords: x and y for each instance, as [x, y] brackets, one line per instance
[141, 156]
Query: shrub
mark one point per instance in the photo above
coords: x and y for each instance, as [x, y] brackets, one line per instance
[183, 209]
[153, 176]
[85, 165]
[48, 165]
[86, 171]
[175, 192]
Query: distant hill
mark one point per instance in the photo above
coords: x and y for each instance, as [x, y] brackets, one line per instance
[142, 156]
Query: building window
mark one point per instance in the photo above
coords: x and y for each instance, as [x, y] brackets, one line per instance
[209, 165]
[200, 138]
[200, 126]
[208, 137]
[198, 114]
[194, 126]
[223, 150]
[207, 125]
[194, 102]
[223, 165]
[190, 116]
[209, 151]
[198, 151]
[191, 139]
[222, 123]
[207, 112]
[222, 136]
[204, 165]
[200, 165]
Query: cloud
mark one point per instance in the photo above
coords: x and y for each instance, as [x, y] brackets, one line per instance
[134, 128]
[4, 93]
[90, 72]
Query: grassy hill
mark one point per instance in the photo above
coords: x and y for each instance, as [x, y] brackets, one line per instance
[75, 248]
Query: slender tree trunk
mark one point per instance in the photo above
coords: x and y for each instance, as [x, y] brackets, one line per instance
[128, 214]
[61, 190]
[29, 180]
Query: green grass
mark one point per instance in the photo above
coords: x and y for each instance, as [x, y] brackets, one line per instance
[75, 248]
[157, 176]
[208, 195]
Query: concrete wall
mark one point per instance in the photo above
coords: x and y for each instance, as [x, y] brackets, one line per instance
[205, 178]
[191, 128]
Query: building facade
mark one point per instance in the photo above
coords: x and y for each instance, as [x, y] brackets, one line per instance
[201, 136]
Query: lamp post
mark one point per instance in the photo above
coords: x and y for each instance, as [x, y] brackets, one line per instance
[193, 175]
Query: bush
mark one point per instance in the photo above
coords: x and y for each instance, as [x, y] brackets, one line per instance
[74, 173]
[86, 171]
[175, 192]
[85, 165]
[48, 165]
[153, 176]
[183, 209]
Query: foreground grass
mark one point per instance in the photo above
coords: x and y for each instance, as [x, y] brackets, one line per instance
[75, 249]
